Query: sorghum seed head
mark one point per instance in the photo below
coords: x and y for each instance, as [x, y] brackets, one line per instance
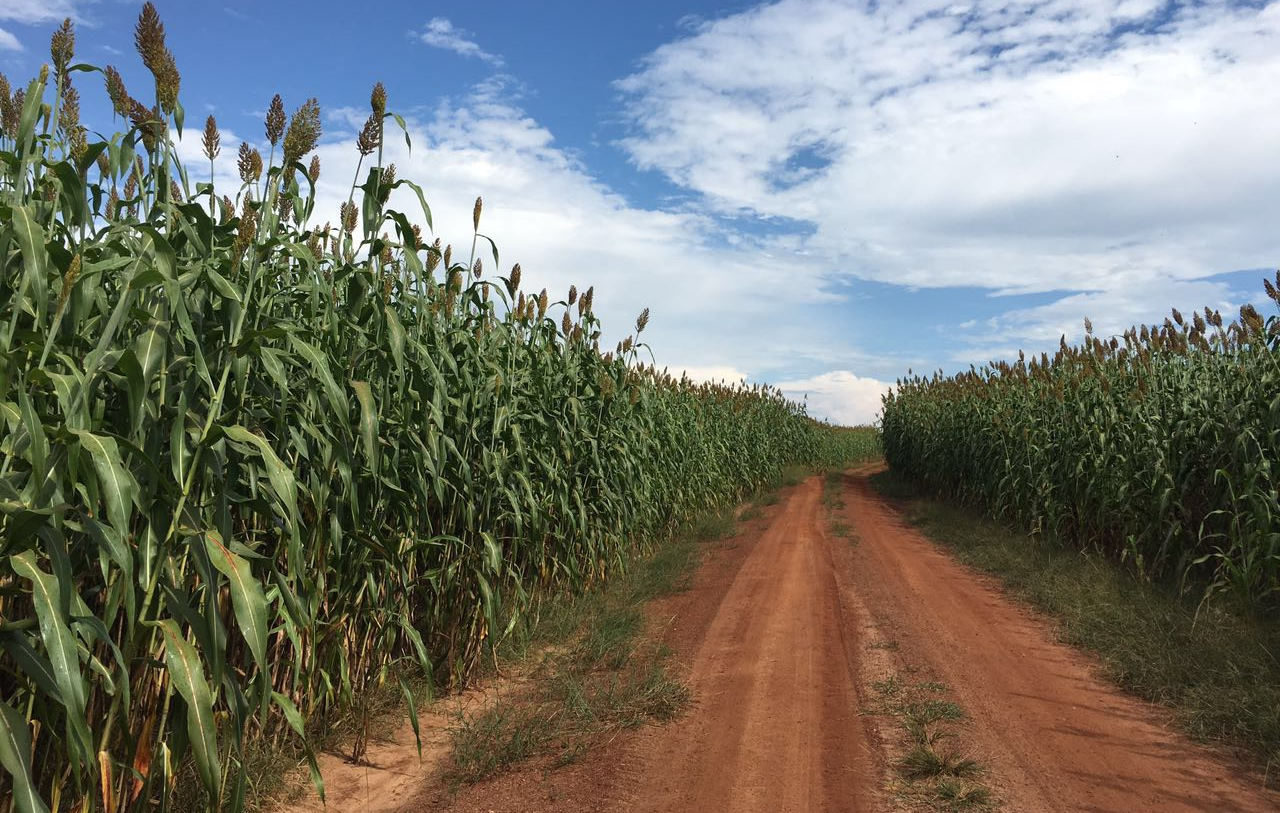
[513, 284]
[448, 256]
[69, 113]
[370, 136]
[275, 120]
[130, 186]
[226, 208]
[113, 203]
[543, 300]
[212, 139]
[69, 280]
[249, 163]
[313, 171]
[104, 166]
[433, 256]
[304, 131]
[62, 47]
[475, 213]
[116, 92]
[145, 120]
[475, 269]
[378, 100]
[148, 36]
[175, 191]
[348, 216]
[642, 320]
[13, 112]
[573, 294]
[565, 324]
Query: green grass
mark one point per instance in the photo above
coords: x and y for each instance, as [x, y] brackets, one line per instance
[934, 771]
[1216, 668]
[794, 475]
[602, 675]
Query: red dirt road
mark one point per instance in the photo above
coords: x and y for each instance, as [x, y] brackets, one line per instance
[781, 635]
[1054, 734]
[776, 726]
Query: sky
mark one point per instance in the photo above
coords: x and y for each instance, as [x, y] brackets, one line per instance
[817, 194]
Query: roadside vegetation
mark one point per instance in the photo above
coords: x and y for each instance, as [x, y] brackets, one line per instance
[256, 470]
[1216, 668]
[596, 669]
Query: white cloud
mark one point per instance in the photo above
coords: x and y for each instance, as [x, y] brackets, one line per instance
[440, 33]
[721, 373]
[1119, 147]
[28, 12]
[8, 42]
[840, 396]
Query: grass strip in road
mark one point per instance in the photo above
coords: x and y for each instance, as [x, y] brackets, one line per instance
[1217, 669]
[934, 771]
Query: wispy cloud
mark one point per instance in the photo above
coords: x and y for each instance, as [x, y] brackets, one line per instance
[28, 12]
[8, 42]
[440, 33]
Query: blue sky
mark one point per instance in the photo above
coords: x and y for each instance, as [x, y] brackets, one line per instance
[816, 193]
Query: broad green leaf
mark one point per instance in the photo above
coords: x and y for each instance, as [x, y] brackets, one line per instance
[60, 647]
[187, 675]
[116, 484]
[247, 598]
[368, 422]
[15, 756]
[281, 476]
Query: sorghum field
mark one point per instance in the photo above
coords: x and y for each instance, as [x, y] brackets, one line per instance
[1159, 447]
[253, 464]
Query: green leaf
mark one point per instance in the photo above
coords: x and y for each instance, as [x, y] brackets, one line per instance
[395, 332]
[60, 645]
[280, 475]
[187, 675]
[114, 481]
[15, 756]
[413, 714]
[150, 348]
[294, 719]
[319, 365]
[223, 286]
[26, 226]
[368, 422]
[247, 599]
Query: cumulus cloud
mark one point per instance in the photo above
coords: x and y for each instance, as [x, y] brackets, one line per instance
[439, 32]
[8, 42]
[1109, 146]
[839, 396]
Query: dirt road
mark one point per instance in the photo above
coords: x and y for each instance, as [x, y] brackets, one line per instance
[783, 633]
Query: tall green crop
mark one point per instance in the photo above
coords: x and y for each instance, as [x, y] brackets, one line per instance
[252, 467]
[1159, 447]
